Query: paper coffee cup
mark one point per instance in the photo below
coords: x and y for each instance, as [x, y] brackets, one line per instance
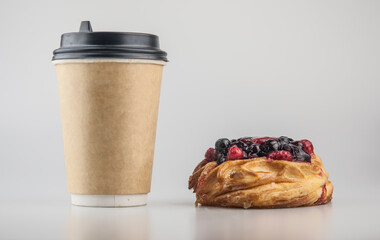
[109, 89]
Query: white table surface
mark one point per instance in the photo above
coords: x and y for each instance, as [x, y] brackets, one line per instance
[344, 218]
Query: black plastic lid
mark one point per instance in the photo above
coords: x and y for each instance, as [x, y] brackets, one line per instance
[89, 44]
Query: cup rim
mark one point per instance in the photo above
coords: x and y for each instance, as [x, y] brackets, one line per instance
[99, 60]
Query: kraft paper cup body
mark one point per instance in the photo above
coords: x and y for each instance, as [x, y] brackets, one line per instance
[109, 112]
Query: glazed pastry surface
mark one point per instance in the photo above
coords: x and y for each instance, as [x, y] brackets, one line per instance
[261, 183]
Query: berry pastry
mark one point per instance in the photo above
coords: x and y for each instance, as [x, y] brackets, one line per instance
[261, 173]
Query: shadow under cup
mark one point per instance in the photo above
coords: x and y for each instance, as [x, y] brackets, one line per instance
[109, 89]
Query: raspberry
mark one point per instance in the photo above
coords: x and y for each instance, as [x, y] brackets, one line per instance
[210, 154]
[260, 140]
[235, 153]
[307, 146]
[281, 155]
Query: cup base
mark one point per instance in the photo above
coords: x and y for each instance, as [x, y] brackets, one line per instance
[109, 200]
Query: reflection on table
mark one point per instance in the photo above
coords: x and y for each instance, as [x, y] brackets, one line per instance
[294, 223]
[108, 223]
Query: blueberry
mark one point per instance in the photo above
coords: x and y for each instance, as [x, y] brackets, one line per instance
[222, 145]
[242, 145]
[287, 147]
[262, 154]
[221, 158]
[269, 146]
[299, 154]
[284, 140]
[304, 156]
[253, 149]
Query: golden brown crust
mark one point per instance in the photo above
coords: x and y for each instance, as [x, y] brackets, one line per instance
[261, 183]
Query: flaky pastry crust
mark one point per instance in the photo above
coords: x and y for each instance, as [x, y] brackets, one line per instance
[261, 183]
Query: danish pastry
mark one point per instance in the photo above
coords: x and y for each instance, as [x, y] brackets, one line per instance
[261, 173]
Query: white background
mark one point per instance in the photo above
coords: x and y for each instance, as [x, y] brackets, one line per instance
[303, 69]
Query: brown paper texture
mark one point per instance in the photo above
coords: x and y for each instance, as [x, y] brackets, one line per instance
[109, 114]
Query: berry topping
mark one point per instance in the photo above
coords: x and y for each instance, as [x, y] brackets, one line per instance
[282, 148]
[307, 146]
[235, 153]
[260, 140]
[210, 155]
[281, 155]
